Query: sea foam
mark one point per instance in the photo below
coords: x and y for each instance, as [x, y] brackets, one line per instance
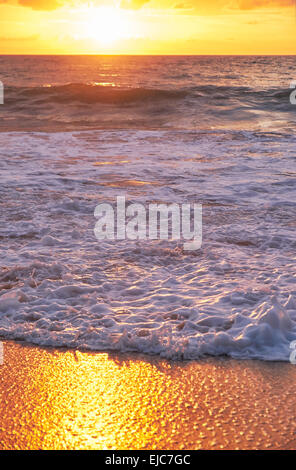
[59, 286]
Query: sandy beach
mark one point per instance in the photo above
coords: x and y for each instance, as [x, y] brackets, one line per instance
[56, 399]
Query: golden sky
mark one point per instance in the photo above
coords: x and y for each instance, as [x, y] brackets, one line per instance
[147, 27]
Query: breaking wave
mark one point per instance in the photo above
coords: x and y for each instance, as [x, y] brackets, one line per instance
[76, 106]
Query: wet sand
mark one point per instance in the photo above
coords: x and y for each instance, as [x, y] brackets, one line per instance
[55, 399]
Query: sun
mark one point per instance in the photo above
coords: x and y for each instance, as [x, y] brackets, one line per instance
[107, 25]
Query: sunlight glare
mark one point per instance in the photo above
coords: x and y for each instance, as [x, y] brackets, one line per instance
[107, 25]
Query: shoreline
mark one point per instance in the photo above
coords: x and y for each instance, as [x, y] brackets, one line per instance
[63, 399]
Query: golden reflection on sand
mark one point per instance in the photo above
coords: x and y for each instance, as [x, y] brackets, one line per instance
[54, 399]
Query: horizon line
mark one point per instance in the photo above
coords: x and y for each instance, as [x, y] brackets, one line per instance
[153, 55]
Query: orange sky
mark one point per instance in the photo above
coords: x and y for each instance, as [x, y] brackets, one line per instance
[147, 27]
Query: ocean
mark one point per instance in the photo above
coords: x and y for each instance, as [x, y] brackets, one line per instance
[78, 131]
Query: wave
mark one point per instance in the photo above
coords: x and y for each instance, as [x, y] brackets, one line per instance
[60, 287]
[94, 93]
[267, 332]
[86, 93]
[77, 106]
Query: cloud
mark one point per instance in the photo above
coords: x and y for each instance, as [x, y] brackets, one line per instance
[196, 6]
[208, 6]
[22, 39]
[253, 4]
[48, 5]
[217, 6]
[183, 6]
[45, 5]
[40, 4]
[133, 4]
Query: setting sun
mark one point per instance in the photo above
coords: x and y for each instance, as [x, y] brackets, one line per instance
[107, 25]
[143, 27]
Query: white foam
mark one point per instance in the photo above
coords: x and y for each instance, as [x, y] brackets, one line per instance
[60, 287]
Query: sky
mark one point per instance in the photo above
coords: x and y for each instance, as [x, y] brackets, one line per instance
[147, 27]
